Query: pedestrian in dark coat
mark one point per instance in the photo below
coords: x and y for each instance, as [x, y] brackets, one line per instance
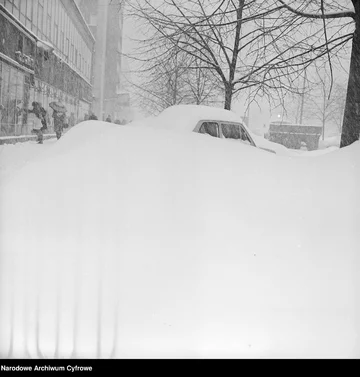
[40, 113]
[71, 120]
[59, 119]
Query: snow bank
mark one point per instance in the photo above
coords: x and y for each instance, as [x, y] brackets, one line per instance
[333, 141]
[264, 143]
[129, 242]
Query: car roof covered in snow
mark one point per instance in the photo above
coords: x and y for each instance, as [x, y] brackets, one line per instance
[185, 117]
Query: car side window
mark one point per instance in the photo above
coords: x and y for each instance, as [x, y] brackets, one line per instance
[230, 131]
[210, 128]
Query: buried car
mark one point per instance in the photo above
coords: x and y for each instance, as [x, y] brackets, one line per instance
[216, 122]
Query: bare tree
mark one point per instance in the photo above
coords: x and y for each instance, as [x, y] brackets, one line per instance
[324, 100]
[246, 44]
[339, 102]
[351, 121]
[203, 86]
[223, 37]
[178, 79]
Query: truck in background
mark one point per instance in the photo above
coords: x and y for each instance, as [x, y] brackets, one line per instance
[294, 136]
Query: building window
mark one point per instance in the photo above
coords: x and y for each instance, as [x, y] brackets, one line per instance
[93, 20]
[9, 5]
[67, 48]
[28, 13]
[23, 11]
[48, 31]
[35, 15]
[41, 16]
[62, 48]
[23, 7]
[28, 9]
[56, 34]
[21, 43]
[28, 48]
[57, 12]
[11, 99]
[16, 9]
[66, 28]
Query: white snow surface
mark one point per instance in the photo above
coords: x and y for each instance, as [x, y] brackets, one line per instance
[329, 142]
[135, 242]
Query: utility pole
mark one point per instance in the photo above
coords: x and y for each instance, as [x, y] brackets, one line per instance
[302, 99]
[119, 63]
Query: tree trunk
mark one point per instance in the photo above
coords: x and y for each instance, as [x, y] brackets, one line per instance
[229, 86]
[351, 122]
[228, 97]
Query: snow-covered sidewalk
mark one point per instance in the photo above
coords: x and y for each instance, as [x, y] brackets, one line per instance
[22, 138]
[15, 156]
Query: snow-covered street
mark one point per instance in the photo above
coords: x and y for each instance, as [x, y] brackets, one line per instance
[132, 242]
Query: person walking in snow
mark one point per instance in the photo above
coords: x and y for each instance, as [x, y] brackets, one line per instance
[93, 117]
[59, 119]
[71, 120]
[40, 113]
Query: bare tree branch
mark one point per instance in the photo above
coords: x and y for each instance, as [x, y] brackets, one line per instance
[322, 15]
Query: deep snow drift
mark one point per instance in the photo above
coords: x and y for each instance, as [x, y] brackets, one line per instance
[134, 242]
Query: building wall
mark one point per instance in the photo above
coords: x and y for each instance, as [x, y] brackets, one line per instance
[28, 73]
[113, 50]
[107, 27]
[56, 21]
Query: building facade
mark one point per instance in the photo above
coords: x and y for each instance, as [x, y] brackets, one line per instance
[46, 54]
[105, 20]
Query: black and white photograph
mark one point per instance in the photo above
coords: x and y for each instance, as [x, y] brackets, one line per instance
[128, 230]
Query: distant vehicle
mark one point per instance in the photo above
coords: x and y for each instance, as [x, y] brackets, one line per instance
[295, 136]
[216, 122]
